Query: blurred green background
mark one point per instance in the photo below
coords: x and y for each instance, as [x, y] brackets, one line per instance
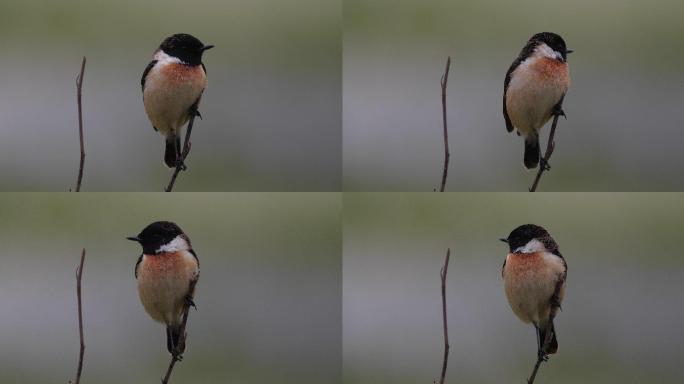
[624, 127]
[622, 314]
[268, 299]
[271, 112]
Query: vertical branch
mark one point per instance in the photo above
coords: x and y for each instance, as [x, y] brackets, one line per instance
[79, 88]
[540, 359]
[166, 377]
[180, 166]
[183, 334]
[443, 276]
[79, 275]
[550, 146]
[445, 78]
[541, 356]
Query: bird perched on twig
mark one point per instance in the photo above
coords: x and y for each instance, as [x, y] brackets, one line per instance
[167, 272]
[534, 274]
[534, 89]
[172, 86]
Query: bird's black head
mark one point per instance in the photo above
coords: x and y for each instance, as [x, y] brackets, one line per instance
[522, 235]
[158, 234]
[185, 47]
[551, 39]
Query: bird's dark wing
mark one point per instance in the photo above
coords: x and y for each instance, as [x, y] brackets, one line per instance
[205, 68]
[195, 255]
[558, 108]
[194, 108]
[555, 298]
[135, 271]
[502, 268]
[507, 81]
[527, 50]
[144, 75]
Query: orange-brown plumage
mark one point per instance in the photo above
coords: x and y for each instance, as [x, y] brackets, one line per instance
[164, 283]
[530, 282]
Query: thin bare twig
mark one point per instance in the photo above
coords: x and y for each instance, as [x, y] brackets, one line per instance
[183, 335]
[550, 146]
[79, 88]
[541, 357]
[166, 378]
[445, 78]
[180, 166]
[79, 275]
[443, 276]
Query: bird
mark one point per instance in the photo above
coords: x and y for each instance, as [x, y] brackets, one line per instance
[172, 86]
[534, 89]
[167, 272]
[534, 274]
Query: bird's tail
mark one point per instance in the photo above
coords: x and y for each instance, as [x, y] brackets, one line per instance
[532, 151]
[552, 346]
[172, 150]
[174, 342]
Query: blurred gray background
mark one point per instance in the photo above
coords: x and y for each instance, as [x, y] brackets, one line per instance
[272, 110]
[622, 314]
[624, 127]
[269, 295]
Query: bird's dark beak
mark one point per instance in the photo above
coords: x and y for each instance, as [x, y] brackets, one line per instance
[207, 47]
[569, 51]
[504, 240]
[134, 238]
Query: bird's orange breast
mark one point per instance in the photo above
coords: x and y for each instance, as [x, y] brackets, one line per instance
[530, 281]
[170, 90]
[177, 73]
[164, 282]
[547, 69]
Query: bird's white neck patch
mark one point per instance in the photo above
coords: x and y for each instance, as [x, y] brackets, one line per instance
[532, 246]
[544, 50]
[175, 245]
[163, 58]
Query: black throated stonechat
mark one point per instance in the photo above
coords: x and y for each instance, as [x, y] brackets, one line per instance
[167, 272]
[534, 275]
[172, 87]
[534, 89]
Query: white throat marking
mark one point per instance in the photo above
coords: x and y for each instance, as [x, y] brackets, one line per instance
[532, 246]
[163, 58]
[175, 245]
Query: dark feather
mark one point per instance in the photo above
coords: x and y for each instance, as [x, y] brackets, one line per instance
[144, 75]
[524, 54]
[196, 258]
[135, 271]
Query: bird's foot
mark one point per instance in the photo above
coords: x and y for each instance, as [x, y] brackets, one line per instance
[181, 164]
[542, 356]
[190, 302]
[544, 164]
[558, 111]
[196, 113]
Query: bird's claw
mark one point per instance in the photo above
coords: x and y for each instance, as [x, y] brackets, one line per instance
[181, 164]
[544, 164]
[190, 302]
[560, 112]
